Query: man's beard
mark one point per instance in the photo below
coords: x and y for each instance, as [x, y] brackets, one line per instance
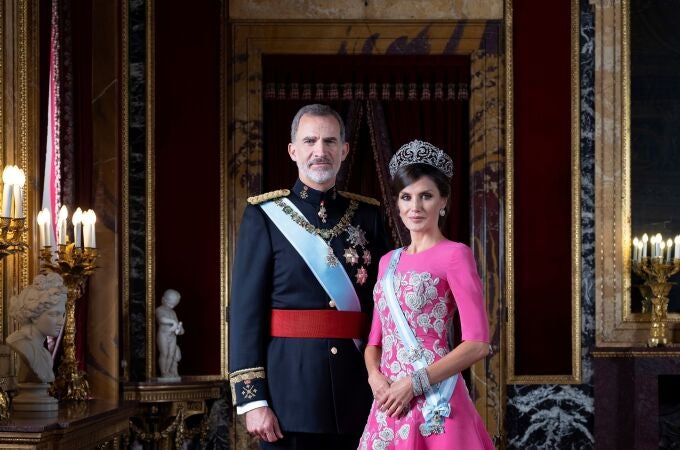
[318, 176]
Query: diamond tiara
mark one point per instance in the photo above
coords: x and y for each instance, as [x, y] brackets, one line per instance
[420, 152]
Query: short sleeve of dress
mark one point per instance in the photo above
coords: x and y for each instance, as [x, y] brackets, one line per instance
[466, 287]
[375, 335]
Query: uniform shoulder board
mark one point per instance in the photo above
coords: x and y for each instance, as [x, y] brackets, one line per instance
[257, 199]
[361, 198]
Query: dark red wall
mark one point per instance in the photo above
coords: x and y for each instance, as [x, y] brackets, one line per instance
[542, 196]
[187, 157]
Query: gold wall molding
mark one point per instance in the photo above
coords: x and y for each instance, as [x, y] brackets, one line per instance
[367, 9]
[19, 138]
[150, 192]
[615, 324]
[575, 375]
[245, 43]
[125, 188]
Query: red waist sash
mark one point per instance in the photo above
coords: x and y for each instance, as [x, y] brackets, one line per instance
[318, 323]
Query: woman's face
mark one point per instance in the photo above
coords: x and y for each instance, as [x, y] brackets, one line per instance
[419, 204]
[51, 321]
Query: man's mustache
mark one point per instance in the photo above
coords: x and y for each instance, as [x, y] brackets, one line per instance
[319, 161]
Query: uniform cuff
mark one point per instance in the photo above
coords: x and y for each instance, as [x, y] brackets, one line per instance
[248, 385]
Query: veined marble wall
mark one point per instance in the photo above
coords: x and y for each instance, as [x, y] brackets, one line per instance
[137, 187]
[366, 9]
[562, 416]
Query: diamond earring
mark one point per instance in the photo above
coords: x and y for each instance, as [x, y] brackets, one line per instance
[442, 212]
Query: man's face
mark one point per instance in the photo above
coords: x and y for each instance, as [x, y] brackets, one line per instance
[318, 151]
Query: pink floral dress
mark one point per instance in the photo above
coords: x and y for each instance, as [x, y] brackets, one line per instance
[429, 285]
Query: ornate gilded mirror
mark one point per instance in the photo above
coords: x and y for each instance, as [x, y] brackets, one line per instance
[654, 48]
[636, 110]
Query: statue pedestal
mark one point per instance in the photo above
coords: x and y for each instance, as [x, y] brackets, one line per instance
[34, 398]
[161, 403]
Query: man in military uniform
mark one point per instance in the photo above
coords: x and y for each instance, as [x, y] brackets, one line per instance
[301, 299]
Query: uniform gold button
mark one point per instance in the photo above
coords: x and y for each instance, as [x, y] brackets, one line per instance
[331, 304]
[334, 350]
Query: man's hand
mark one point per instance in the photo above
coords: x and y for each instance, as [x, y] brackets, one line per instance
[262, 422]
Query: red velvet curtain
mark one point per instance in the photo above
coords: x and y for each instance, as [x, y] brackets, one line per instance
[411, 97]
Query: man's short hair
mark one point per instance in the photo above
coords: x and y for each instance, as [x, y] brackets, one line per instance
[316, 110]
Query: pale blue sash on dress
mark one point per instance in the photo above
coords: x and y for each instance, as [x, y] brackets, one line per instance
[437, 398]
[313, 250]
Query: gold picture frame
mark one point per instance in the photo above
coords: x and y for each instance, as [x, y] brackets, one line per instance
[575, 376]
[249, 39]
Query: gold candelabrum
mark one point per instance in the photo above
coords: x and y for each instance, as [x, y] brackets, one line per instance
[75, 265]
[656, 271]
[11, 231]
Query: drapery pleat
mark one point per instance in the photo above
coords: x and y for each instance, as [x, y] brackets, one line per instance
[382, 152]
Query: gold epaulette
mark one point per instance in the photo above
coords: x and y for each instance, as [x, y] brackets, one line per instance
[257, 199]
[360, 198]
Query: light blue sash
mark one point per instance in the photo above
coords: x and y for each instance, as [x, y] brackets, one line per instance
[313, 251]
[437, 398]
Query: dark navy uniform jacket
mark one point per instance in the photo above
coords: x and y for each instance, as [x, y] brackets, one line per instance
[313, 385]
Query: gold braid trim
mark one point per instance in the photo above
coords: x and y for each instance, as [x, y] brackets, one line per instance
[257, 199]
[361, 198]
[243, 375]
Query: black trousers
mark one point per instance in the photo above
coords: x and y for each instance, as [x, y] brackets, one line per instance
[313, 441]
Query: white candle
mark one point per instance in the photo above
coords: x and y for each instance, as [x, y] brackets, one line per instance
[87, 229]
[677, 247]
[48, 227]
[7, 176]
[61, 225]
[635, 249]
[639, 251]
[93, 234]
[645, 238]
[659, 241]
[669, 244]
[19, 181]
[41, 227]
[77, 220]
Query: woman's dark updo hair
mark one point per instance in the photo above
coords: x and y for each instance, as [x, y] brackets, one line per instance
[411, 173]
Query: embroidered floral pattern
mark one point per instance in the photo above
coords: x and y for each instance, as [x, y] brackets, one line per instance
[428, 308]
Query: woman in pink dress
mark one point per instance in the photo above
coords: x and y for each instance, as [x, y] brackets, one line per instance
[412, 380]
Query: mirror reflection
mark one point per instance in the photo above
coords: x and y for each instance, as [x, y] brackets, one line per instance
[655, 127]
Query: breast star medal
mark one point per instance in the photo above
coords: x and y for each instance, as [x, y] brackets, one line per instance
[366, 257]
[356, 236]
[361, 276]
[351, 256]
